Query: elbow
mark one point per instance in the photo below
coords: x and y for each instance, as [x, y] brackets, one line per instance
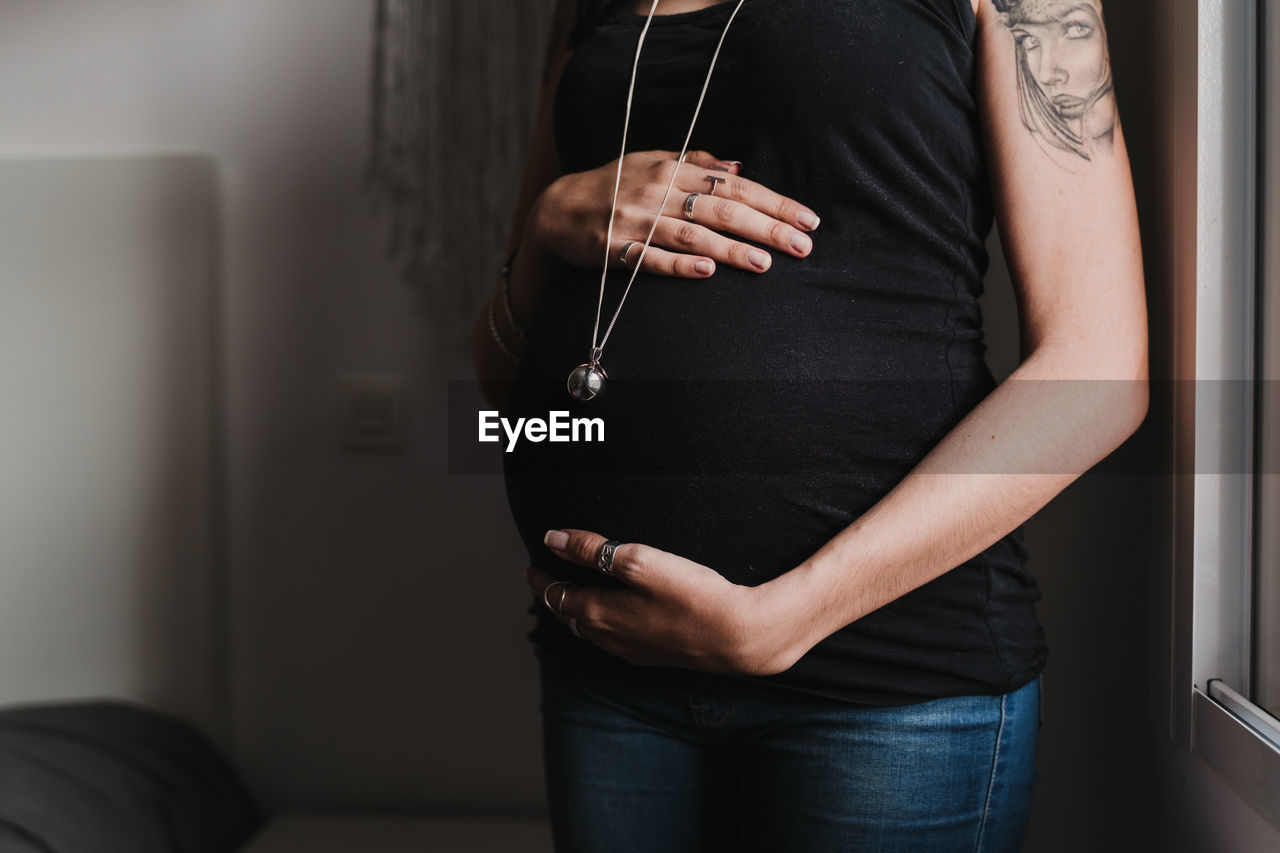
[1131, 399]
[1124, 402]
[1130, 394]
[1128, 354]
[1139, 404]
[1109, 378]
[1139, 387]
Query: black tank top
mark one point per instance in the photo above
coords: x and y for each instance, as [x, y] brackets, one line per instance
[750, 418]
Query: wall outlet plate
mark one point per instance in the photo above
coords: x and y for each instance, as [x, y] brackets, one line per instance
[371, 412]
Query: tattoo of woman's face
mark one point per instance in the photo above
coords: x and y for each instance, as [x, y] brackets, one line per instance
[1064, 72]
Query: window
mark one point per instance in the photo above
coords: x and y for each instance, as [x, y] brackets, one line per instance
[1226, 689]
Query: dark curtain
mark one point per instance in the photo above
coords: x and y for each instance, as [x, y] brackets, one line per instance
[454, 92]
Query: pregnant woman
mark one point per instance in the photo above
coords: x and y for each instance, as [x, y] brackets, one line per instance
[784, 605]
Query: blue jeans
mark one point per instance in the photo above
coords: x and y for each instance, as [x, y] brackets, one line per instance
[636, 763]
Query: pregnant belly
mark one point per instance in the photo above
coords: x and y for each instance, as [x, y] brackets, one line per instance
[740, 432]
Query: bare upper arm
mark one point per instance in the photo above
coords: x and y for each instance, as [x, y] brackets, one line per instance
[1061, 181]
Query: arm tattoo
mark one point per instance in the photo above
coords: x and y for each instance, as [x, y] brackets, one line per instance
[1064, 73]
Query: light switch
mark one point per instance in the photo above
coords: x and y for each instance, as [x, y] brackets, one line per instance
[371, 412]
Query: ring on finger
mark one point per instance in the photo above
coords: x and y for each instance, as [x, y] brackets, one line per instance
[715, 180]
[688, 205]
[622, 256]
[604, 560]
[557, 609]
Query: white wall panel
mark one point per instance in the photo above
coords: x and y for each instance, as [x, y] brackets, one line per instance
[107, 577]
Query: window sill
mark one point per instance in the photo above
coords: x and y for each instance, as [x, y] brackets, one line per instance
[1241, 743]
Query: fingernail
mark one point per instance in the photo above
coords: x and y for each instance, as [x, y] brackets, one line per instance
[808, 219]
[801, 243]
[556, 539]
[705, 267]
[733, 162]
[759, 260]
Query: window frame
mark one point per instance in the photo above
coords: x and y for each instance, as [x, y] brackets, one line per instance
[1216, 111]
[1266, 609]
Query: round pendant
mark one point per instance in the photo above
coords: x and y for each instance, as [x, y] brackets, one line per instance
[586, 382]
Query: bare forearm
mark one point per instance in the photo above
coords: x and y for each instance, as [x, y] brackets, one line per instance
[1029, 439]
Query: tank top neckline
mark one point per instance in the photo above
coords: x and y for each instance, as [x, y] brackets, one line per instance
[626, 14]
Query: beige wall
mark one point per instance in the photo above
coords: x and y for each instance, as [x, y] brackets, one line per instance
[106, 470]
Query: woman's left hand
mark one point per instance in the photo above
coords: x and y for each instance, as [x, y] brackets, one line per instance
[670, 612]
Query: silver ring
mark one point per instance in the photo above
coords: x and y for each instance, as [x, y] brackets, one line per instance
[573, 626]
[715, 180]
[560, 603]
[622, 256]
[604, 561]
[688, 205]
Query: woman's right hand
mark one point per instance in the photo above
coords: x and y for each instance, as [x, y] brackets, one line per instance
[571, 217]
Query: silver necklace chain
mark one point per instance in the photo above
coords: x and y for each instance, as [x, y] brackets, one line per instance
[597, 349]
